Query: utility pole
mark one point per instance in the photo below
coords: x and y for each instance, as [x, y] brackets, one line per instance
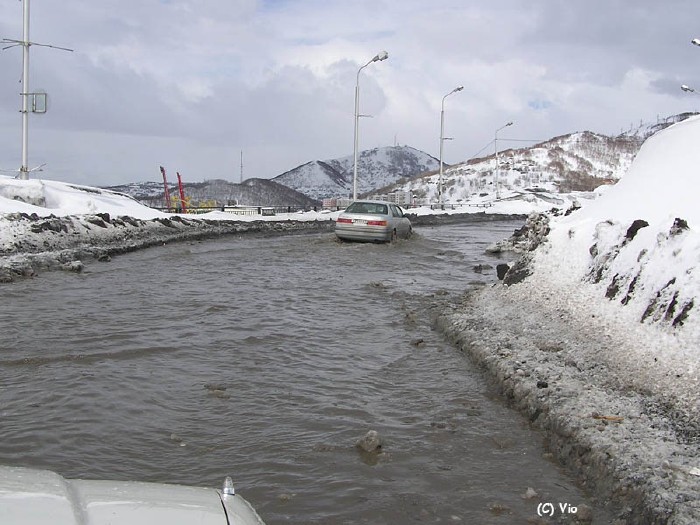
[24, 170]
[38, 104]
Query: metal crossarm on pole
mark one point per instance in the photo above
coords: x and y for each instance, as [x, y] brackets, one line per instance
[25, 43]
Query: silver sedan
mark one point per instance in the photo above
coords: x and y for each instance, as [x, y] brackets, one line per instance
[372, 221]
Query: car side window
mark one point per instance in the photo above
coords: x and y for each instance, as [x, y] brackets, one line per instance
[396, 211]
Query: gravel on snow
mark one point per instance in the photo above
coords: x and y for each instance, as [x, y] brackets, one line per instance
[625, 423]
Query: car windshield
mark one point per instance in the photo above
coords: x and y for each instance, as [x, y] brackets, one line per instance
[367, 207]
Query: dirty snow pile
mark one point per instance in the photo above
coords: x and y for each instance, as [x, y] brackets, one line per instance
[599, 343]
[47, 225]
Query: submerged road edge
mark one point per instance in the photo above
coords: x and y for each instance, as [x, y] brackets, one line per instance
[625, 454]
[62, 243]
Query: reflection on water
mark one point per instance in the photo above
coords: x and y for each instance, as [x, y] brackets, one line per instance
[267, 359]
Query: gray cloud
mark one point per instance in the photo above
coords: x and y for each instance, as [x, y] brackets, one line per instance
[189, 84]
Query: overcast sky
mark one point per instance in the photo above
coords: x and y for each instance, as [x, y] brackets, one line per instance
[189, 84]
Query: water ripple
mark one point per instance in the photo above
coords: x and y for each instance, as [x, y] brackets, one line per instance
[266, 359]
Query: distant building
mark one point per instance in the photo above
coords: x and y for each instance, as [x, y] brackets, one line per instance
[402, 198]
[335, 203]
[249, 210]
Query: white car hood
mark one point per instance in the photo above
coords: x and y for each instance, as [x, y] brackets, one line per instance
[29, 497]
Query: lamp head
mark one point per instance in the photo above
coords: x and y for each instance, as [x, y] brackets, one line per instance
[695, 41]
[458, 88]
[382, 55]
[687, 89]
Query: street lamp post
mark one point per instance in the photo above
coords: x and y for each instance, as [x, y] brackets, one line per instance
[382, 55]
[495, 145]
[688, 89]
[442, 138]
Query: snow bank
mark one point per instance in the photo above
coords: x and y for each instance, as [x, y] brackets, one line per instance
[638, 244]
[45, 197]
[661, 184]
[628, 263]
[46, 225]
[598, 345]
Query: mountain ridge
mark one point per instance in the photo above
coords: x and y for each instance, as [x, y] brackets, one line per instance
[376, 167]
[577, 161]
[219, 192]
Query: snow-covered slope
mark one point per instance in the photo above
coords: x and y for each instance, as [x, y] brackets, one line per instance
[579, 161]
[375, 168]
[316, 178]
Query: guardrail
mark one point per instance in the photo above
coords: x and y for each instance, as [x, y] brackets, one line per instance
[274, 210]
[242, 210]
[460, 205]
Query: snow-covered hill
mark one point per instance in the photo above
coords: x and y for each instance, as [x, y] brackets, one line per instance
[375, 168]
[580, 161]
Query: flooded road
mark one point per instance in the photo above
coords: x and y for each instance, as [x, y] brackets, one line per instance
[267, 358]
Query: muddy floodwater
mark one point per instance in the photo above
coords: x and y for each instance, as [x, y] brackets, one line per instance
[267, 358]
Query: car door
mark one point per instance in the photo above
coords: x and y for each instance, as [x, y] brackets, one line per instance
[400, 222]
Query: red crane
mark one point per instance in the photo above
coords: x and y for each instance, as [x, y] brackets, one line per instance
[165, 185]
[182, 193]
